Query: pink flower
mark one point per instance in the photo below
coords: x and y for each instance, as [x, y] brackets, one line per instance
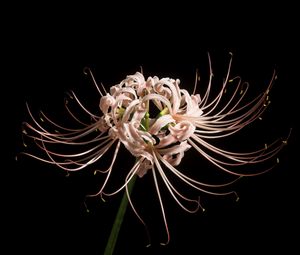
[159, 143]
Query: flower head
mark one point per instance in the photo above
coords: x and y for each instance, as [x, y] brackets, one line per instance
[159, 141]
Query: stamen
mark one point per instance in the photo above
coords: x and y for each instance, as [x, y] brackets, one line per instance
[102, 198]
[88, 71]
[86, 208]
[237, 198]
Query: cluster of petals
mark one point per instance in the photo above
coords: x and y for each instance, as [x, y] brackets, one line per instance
[126, 117]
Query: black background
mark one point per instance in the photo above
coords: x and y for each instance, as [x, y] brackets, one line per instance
[45, 51]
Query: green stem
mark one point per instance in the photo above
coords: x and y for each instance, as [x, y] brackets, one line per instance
[110, 246]
[112, 240]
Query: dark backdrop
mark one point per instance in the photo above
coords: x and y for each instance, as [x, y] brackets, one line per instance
[45, 51]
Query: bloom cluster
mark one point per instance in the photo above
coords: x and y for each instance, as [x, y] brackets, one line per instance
[158, 122]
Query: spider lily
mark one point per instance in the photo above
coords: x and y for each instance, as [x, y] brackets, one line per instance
[159, 143]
